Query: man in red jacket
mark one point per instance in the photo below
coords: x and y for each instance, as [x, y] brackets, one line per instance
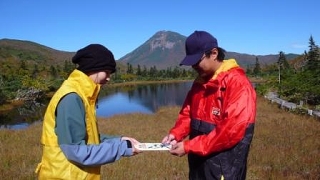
[218, 114]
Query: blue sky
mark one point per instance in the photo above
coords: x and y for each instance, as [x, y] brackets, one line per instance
[249, 26]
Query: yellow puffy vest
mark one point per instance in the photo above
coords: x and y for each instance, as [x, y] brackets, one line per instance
[54, 164]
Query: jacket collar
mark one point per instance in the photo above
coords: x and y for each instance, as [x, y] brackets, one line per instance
[225, 66]
[89, 88]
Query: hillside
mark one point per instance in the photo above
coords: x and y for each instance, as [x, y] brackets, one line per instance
[167, 49]
[246, 60]
[27, 50]
[164, 49]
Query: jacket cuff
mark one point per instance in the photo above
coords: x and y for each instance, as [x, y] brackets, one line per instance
[129, 145]
[128, 151]
[176, 137]
[186, 146]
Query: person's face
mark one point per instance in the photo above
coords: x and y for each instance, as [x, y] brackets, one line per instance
[101, 77]
[206, 65]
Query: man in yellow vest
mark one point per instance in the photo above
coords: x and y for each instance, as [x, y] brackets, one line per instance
[72, 145]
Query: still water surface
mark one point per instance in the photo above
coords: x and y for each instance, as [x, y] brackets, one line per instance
[143, 98]
[120, 100]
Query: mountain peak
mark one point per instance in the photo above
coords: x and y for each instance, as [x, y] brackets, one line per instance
[161, 40]
[163, 49]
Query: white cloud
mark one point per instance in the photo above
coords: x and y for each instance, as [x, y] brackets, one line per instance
[298, 46]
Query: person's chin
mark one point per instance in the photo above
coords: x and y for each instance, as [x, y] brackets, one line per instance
[206, 76]
[203, 74]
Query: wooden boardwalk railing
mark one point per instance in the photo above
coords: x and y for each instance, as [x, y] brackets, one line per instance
[274, 98]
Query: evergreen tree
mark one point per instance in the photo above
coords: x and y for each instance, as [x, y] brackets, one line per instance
[282, 60]
[139, 73]
[285, 76]
[116, 77]
[313, 73]
[308, 79]
[129, 68]
[281, 64]
[153, 71]
[176, 72]
[144, 71]
[313, 61]
[248, 70]
[257, 68]
[3, 97]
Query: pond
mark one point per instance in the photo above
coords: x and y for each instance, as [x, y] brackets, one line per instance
[145, 98]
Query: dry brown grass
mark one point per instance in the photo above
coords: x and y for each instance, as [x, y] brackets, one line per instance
[285, 146]
[20, 151]
[147, 165]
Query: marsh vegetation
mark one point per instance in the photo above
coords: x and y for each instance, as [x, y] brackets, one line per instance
[285, 146]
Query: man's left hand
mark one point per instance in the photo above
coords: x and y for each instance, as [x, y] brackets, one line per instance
[178, 149]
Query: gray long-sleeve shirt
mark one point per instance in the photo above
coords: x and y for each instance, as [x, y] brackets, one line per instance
[71, 132]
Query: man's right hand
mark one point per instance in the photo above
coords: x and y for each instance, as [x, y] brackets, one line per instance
[169, 139]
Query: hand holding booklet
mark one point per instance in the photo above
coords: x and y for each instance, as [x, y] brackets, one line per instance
[153, 146]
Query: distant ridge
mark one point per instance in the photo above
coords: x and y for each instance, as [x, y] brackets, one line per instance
[167, 49]
[16, 48]
[164, 49]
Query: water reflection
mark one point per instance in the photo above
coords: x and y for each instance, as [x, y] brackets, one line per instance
[22, 116]
[121, 100]
[143, 98]
[119, 103]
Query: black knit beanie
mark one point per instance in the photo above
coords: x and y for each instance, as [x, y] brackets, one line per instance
[94, 58]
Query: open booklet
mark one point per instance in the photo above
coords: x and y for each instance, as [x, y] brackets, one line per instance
[153, 146]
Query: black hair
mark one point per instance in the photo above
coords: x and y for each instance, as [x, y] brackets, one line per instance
[221, 54]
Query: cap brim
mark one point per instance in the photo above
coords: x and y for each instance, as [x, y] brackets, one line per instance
[191, 60]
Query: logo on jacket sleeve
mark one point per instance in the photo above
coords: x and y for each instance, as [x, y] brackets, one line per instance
[215, 111]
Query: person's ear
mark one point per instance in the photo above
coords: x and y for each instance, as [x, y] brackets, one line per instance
[214, 53]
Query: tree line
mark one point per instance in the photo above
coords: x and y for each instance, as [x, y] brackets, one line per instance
[23, 76]
[295, 80]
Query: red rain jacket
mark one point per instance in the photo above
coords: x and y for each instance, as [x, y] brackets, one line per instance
[228, 101]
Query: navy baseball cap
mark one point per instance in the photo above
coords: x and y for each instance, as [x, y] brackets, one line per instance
[198, 43]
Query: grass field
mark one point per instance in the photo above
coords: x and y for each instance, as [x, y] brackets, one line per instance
[285, 146]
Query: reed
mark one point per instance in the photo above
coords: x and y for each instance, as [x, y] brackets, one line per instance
[285, 146]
